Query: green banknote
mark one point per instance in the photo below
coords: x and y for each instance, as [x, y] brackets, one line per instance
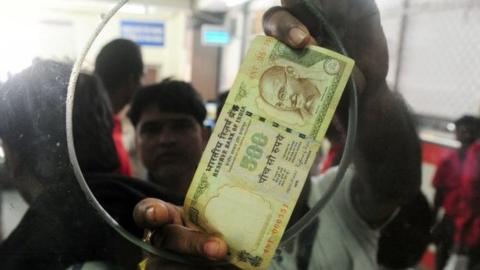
[258, 157]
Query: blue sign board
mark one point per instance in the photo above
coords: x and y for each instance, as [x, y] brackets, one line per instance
[215, 35]
[144, 33]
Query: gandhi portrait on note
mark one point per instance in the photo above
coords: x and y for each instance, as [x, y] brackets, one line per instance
[283, 88]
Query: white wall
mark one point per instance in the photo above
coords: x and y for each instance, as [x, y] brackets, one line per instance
[440, 73]
[61, 31]
[232, 54]
[173, 58]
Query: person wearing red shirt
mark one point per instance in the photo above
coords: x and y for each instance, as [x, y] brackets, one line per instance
[467, 221]
[449, 184]
[123, 156]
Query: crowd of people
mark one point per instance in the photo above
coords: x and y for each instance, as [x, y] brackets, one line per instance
[377, 219]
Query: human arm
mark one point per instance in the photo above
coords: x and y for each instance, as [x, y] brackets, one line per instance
[387, 154]
[387, 160]
[381, 113]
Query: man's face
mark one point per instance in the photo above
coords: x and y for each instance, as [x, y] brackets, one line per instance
[170, 146]
[465, 134]
[286, 91]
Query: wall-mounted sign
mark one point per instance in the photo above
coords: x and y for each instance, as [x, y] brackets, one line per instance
[215, 35]
[144, 33]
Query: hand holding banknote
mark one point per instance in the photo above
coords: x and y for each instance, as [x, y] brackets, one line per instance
[359, 27]
[173, 233]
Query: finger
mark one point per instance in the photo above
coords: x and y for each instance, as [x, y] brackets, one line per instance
[188, 241]
[279, 23]
[151, 213]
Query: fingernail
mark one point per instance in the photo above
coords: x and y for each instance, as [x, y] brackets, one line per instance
[150, 213]
[297, 36]
[211, 249]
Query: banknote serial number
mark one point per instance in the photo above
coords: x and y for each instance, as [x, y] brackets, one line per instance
[254, 151]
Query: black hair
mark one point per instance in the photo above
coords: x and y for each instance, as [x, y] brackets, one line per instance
[33, 119]
[59, 223]
[33, 106]
[93, 126]
[169, 96]
[116, 61]
[468, 121]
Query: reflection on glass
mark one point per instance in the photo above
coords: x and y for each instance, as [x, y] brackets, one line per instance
[45, 220]
[2, 154]
[60, 227]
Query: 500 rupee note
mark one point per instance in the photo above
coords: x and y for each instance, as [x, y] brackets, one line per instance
[265, 141]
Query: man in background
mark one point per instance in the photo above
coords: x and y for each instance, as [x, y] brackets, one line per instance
[170, 136]
[466, 250]
[120, 67]
[447, 182]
